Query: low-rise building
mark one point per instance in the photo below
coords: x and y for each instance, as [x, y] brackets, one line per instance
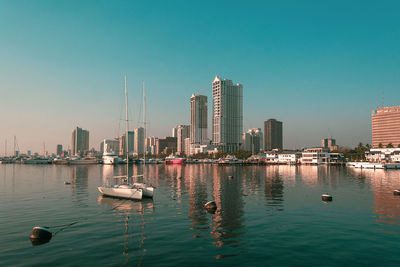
[383, 155]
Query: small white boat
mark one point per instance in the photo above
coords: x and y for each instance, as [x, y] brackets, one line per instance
[121, 191]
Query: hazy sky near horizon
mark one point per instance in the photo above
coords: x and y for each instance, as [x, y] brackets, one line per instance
[318, 66]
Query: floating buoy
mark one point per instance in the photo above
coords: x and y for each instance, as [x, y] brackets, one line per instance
[396, 192]
[326, 197]
[230, 176]
[65, 182]
[40, 235]
[210, 206]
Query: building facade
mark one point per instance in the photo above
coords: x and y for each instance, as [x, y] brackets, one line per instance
[122, 143]
[386, 126]
[253, 140]
[80, 141]
[182, 133]
[59, 150]
[227, 118]
[111, 144]
[273, 138]
[166, 145]
[198, 119]
[139, 141]
[329, 143]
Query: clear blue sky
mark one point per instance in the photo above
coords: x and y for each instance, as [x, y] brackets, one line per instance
[318, 66]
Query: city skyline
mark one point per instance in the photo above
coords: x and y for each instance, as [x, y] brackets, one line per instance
[63, 65]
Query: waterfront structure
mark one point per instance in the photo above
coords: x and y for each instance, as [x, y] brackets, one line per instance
[122, 144]
[112, 145]
[182, 134]
[59, 150]
[80, 141]
[383, 155]
[227, 118]
[198, 119]
[314, 155]
[273, 138]
[253, 140]
[329, 143]
[386, 126]
[166, 145]
[139, 141]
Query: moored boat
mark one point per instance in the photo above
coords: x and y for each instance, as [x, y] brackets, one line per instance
[173, 159]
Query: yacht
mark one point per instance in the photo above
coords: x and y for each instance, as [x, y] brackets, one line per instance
[109, 157]
[173, 159]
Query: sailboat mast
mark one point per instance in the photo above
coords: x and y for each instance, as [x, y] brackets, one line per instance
[126, 130]
[144, 124]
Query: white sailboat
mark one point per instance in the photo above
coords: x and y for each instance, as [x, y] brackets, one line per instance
[148, 190]
[123, 190]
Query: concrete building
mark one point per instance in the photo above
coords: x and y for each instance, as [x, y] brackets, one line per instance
[273, 138]
[182, 134]
[187, 146]
[166, 145]
[227, 118]
[122, 143]
[175, 131]
[139, 141]
[59, 150]
[80, 141]
[253, 140]
[315, 155]
[112, 145]
[329, 143]
[386, 126]
[151, 145]
[198, 119]
[383, 155]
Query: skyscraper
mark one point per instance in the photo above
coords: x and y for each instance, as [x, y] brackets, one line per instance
[122, 143]
[139, 141]
[227, 125]
[253, 140]
[182, 134]
[80, 141]
[175, 131]
[386, 126]
[59, 150]
[198, 119]
[273, 134]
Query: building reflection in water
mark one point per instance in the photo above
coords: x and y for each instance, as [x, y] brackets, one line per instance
[175, 175]
[79, 183]
[197, 187]
[383, 182]
[273, 187]
[228, 219]
[127, 209]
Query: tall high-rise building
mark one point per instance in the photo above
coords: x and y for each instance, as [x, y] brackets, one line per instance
[386, 126]
[227, 125]
[59, 150]
[329, 143]
[139, 141]
[175, 131]
[122, 143]
[151, 145]
[182, 134]
[273, 138]
[80, 141]
[198, 119]
[253, 140]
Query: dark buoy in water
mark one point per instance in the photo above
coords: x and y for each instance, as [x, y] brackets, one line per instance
[230, 177]
[210, 206]
[65, 182]
[396, 192]
[326, 197]
[40, 235]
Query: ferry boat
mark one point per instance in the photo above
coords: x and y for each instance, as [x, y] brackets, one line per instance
[83, 161]
[173, 159]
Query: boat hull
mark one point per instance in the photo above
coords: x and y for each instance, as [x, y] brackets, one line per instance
[121, 192]
[148, 191]
[174, 161]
